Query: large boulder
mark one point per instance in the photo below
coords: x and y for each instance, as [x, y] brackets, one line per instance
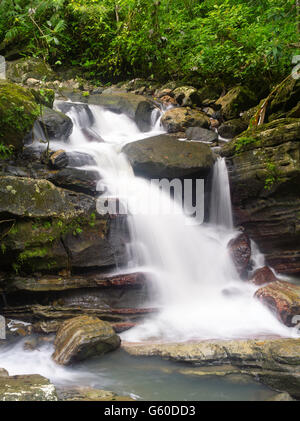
[165, 156]
[76, 179]
[240, 251]
[19, 71]
[178, 119]
[186, 96]
[55, 125]
[283, 298]
[236, 100]
[18, 112]
[26, 388]
[136, 107]
[284, 102]
[264, 171]
[83, 337]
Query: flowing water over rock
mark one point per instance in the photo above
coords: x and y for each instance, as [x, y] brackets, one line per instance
[193, 280]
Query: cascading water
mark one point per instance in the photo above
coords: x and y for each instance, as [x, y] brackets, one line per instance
[196, 287]
[198, 290]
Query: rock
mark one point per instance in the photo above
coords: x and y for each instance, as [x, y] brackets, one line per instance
[167, 99]
[26, 197]
[284, 99]
[240, 252]
[178, 119]
[209, 93]
[82, 337]
[281, 397]
[87, 394]
[161, 92]
[136, 107]
[295, 112]
[283, 298]
[186, 96]
[85, 116]
[19, 71]
[274, 362]
[47, 283]
[232, 128]
[61, 159]
[198, 133]
[32, 82]
[264, 171]
[18, 112]
[263, 276]
[55, 124]
[3, 373]
[165, 156]
[76, 179]
[27, 388]
[236, 100]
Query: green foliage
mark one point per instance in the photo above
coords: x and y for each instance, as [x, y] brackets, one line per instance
[5, 151]
[244, 40]
[273, 175]
[244, 141]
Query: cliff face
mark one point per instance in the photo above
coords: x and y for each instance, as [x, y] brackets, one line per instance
[264, 166]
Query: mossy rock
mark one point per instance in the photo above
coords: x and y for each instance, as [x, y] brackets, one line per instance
[19, 71]
[284, 99]
[18, 112]
[236, 100]
[27, 388]
[44, 96]
[267, 135]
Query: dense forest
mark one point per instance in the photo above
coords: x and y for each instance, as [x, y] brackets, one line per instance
[190, 40]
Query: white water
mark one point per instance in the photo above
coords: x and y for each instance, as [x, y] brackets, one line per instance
[194, 282]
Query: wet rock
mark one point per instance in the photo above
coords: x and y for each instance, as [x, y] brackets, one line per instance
[186, 96]
[264, 171]
[232, 128]
[204, 135]
[28, 197]
[61, 159]
[263, 276]
[83, 337]
[20, 71]
[283, 100]
[240, 251]
[84, 114]
[76, 179]
[55, 124]
[63, 283]
[136, 107]
[167, 99]
[18, 112]
[178, 119]
[238, 99]
[165, 156]
[27, 388]
[283, 298]
[89, 394]
[281, 397]
[274, 362]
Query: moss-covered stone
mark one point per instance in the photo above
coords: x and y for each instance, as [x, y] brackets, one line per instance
[238, 99]
[27, 388]
[28, 67]
[44, 96]
[18, 112]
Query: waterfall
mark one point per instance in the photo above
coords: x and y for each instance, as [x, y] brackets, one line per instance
[194, 282]
[2, 68]
[220, 206]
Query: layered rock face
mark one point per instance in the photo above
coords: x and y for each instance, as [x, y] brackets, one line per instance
[264, 169]
[83, 337]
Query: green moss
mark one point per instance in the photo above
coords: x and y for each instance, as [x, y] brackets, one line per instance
[18, 112]
[244, 141]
